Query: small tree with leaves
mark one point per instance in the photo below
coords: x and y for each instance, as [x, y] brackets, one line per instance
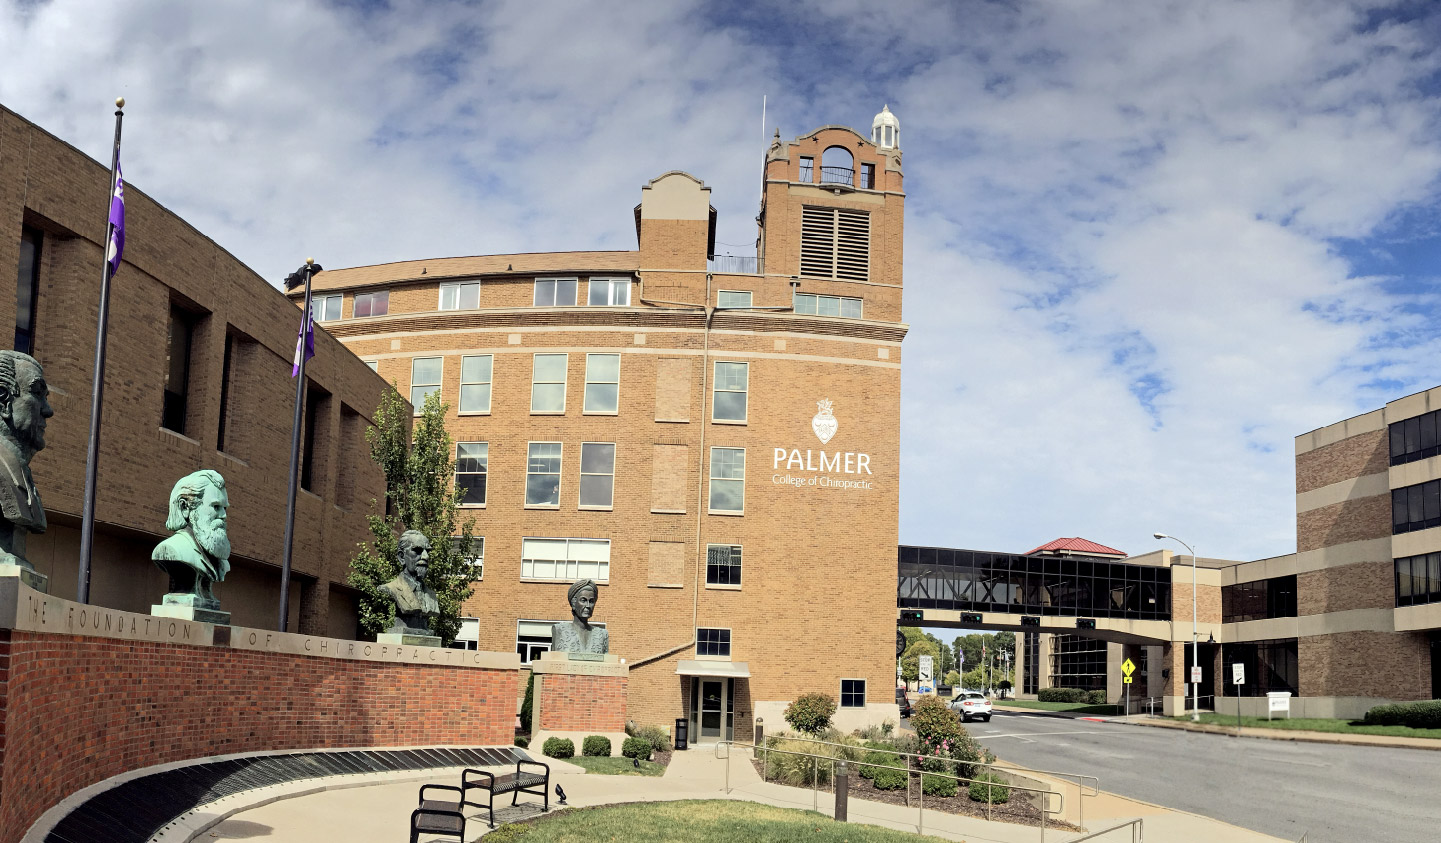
[418, 471]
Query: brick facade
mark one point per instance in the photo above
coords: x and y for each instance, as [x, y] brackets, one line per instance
[1340, 523]
[1388, 665]
[50, 186]
[1354, 456]
[1365, 585]
[574, 703]
[78, 710]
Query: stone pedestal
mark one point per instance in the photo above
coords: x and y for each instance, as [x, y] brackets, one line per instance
[578, 695]
[29, 576]
[191, 608]
[408, 639]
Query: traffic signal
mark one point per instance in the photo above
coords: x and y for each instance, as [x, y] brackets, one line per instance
[1030, 620]
[970, 617]
[912, 615]
[1085, 623]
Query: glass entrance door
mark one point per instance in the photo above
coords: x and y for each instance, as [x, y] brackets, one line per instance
[712, 708]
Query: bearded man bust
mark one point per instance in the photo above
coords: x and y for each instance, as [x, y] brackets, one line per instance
[198, 555]
[24, 409]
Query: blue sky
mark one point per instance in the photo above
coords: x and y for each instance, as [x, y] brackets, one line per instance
[1147, 244]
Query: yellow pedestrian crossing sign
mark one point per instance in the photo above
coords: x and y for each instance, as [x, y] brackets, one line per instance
[1128, 667]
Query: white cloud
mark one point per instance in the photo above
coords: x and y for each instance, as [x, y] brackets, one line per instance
[1125, 275]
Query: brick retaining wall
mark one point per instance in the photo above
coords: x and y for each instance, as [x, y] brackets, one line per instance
[574, 703]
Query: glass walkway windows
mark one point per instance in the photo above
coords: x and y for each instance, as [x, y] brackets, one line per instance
[1069, 586]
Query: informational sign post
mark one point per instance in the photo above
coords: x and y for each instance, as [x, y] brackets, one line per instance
[1195, 674]
[1238, 678]
[1127, 668]
[925, 674]
[1278, 701]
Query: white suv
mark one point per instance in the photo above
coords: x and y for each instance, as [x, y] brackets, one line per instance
[970, 704]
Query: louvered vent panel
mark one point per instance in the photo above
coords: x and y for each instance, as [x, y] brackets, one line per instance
[835, 243]
[853, 245]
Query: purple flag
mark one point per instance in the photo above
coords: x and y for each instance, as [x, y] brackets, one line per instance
[116, 248]
[305, 343]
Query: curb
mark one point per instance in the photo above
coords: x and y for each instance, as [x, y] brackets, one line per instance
[1298, 736]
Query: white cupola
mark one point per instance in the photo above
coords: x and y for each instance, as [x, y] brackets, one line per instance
[886, 129]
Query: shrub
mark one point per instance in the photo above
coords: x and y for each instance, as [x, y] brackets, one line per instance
[798, 770]
[527, 706]
[522, 741]
[881, 758]
[559, 747]
[597, 746]
[968, 753]
[811, 713]
[875, 732]
[657, 737]
[1096, 697]
[939, 786]
[935, 723]
[989, 787]
[1061, 695]
[1417, 715]
[636, 748]
[889, 779]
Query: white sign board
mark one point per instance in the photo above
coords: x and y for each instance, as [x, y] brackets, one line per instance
[926, 670]
[1195, 674]
[1238, 674]
[1278, 701]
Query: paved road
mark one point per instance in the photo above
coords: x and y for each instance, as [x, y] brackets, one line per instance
[1332, 794]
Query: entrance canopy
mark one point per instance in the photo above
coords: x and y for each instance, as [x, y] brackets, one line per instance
[728, 670]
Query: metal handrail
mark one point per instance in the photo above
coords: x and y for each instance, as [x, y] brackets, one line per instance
[1079, 777]
[1045, 808]
[1137, 826]
[837, 175]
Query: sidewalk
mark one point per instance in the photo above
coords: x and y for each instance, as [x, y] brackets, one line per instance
[1245, 731]
[380, 813]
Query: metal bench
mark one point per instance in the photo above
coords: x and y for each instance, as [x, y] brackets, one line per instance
[441, 813]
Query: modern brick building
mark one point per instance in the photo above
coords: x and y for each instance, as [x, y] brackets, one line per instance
[198, 376]
[715, 441]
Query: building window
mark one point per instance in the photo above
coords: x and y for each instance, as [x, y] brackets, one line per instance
[597, 475]
[727, 479]
[1030, 676]
[224, 391]
[610, 291]
[374, 365]
[476, 559]
[372, 304]
[1258, 600]
[565, 559]
[837, 166]
[325, 308]
[177, 370]
[733, 299]
[1078, 662]
[713, 642]
[602, 383]
[315, 429]
[1269, 666]
[723, 564]
[475, 383]
[808, 168]
[424, 379]
[555, 291]
[471, 462]
[835, 243]
[542, 474]
[853, 693]
[27, 288]
[812, 305]
[868, 176]
[463, 296]
[547, 383]
[1418, 580]
[1416, 507]
[732, 380]
[1414, 439]
[532, 640]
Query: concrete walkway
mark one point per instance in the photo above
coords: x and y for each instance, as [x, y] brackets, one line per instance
[380, 813]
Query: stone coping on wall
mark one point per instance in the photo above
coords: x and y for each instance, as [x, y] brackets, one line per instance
[561, 663]
[23, 608]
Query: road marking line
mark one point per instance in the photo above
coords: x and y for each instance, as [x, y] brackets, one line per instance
[1024, 735]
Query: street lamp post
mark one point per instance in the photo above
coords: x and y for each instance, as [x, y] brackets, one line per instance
[1195, 634]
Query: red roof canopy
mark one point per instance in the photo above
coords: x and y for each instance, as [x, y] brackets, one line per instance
[1076, 545]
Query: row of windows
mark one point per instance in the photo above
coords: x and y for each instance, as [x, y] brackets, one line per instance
[570, 559]
[1418, 579]
[837, 167]
[1258, 600]
[1415, 438]
[562, 293]
[1078, 662]
[548, 382]
[1416, 507]
[1269, 666]
[597, 475]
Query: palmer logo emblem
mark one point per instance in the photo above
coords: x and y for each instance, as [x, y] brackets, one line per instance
[824, 423]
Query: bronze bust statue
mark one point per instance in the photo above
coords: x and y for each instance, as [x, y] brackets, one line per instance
[577, 635]
[198, 555]
[415, 602]
[24, 407]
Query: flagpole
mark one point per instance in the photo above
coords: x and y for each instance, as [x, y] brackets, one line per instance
[97, 390]
[307, 327]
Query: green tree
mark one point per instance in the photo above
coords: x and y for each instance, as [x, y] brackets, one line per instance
[418, 465]
[911, 658]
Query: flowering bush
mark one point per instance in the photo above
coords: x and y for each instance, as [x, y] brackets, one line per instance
[810, 714]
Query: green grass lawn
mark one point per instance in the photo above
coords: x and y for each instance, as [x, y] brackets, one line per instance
[1316, 724]
[616, 766]
[1069, 708]
[695, 821]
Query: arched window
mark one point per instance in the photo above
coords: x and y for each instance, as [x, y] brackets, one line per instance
[837, 166]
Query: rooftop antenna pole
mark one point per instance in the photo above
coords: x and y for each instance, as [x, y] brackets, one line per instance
[763, 146]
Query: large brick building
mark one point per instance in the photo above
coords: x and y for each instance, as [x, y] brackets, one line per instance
[198, 376]
[714, 441]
